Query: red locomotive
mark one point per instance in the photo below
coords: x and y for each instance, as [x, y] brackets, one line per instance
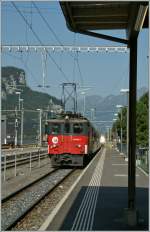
[72, 140]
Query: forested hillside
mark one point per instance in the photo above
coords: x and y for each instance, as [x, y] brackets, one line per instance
[14, 80]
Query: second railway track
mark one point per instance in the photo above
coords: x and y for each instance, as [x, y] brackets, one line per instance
[15, 207]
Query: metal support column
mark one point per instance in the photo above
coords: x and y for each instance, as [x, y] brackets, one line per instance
[22, 124]
[127, 123]
[16, 127]
[69, 92]
[84, 104]
[132, 124]
[121, 131]
[40, 124]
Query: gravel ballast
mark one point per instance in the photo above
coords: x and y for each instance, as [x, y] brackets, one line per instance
[34, 219]
[19, 204]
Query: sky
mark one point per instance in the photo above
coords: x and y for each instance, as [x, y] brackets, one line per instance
[106, 73]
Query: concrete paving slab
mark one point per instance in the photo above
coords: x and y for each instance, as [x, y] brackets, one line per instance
[101, 204]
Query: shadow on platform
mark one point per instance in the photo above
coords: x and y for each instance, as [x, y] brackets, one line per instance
[103, 209]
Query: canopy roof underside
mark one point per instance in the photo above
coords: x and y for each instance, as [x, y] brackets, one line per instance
[105, 15]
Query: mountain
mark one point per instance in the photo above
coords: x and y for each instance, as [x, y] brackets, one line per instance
[13, 81]
[97, 108]
[104, 107]
[141, 92]
[12, 78]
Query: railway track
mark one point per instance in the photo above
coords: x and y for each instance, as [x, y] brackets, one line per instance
[18, 204]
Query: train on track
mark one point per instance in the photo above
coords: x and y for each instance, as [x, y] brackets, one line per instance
[72, 140]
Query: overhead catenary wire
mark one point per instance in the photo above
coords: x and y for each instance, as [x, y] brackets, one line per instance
[27, 9]
[77, 61]
[58, 65]
[39, 40]
[58, 40]
[31, 14]
[74, 69]
[81, 77]
[26, 34]
[74, 39]
[38, 10]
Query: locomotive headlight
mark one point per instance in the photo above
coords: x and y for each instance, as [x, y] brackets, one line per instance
[55, 140]
[78, 145]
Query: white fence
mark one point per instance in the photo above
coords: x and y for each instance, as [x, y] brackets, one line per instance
[13, 160]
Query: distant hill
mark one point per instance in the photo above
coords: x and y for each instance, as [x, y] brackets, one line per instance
[13, 80]
[105, 107]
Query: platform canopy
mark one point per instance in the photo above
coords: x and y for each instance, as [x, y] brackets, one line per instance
[87, 16]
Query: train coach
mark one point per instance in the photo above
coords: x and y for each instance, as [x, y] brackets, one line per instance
[72, 140]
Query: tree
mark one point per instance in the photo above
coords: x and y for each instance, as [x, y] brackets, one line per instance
[142, 122]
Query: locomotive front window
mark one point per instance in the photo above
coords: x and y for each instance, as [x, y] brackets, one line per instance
[47, 129]
[67, 128]
[55, 129]
[77, 128]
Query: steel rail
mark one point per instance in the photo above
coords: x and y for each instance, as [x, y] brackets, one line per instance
[27, 210]
[26, 186]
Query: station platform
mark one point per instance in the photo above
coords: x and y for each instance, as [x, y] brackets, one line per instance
[99, 198]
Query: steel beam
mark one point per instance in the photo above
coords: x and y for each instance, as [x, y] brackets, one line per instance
[89, 26]
[69, 48]
[100, 12]
[132, 123]
[102, 36]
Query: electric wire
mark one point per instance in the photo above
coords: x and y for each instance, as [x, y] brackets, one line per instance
[74, 64]
[30, 26]
[47, 23]
[58, 40]
[26, 34]
[81, 77]
[31, 14]
[8, 7]
[39, 40]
